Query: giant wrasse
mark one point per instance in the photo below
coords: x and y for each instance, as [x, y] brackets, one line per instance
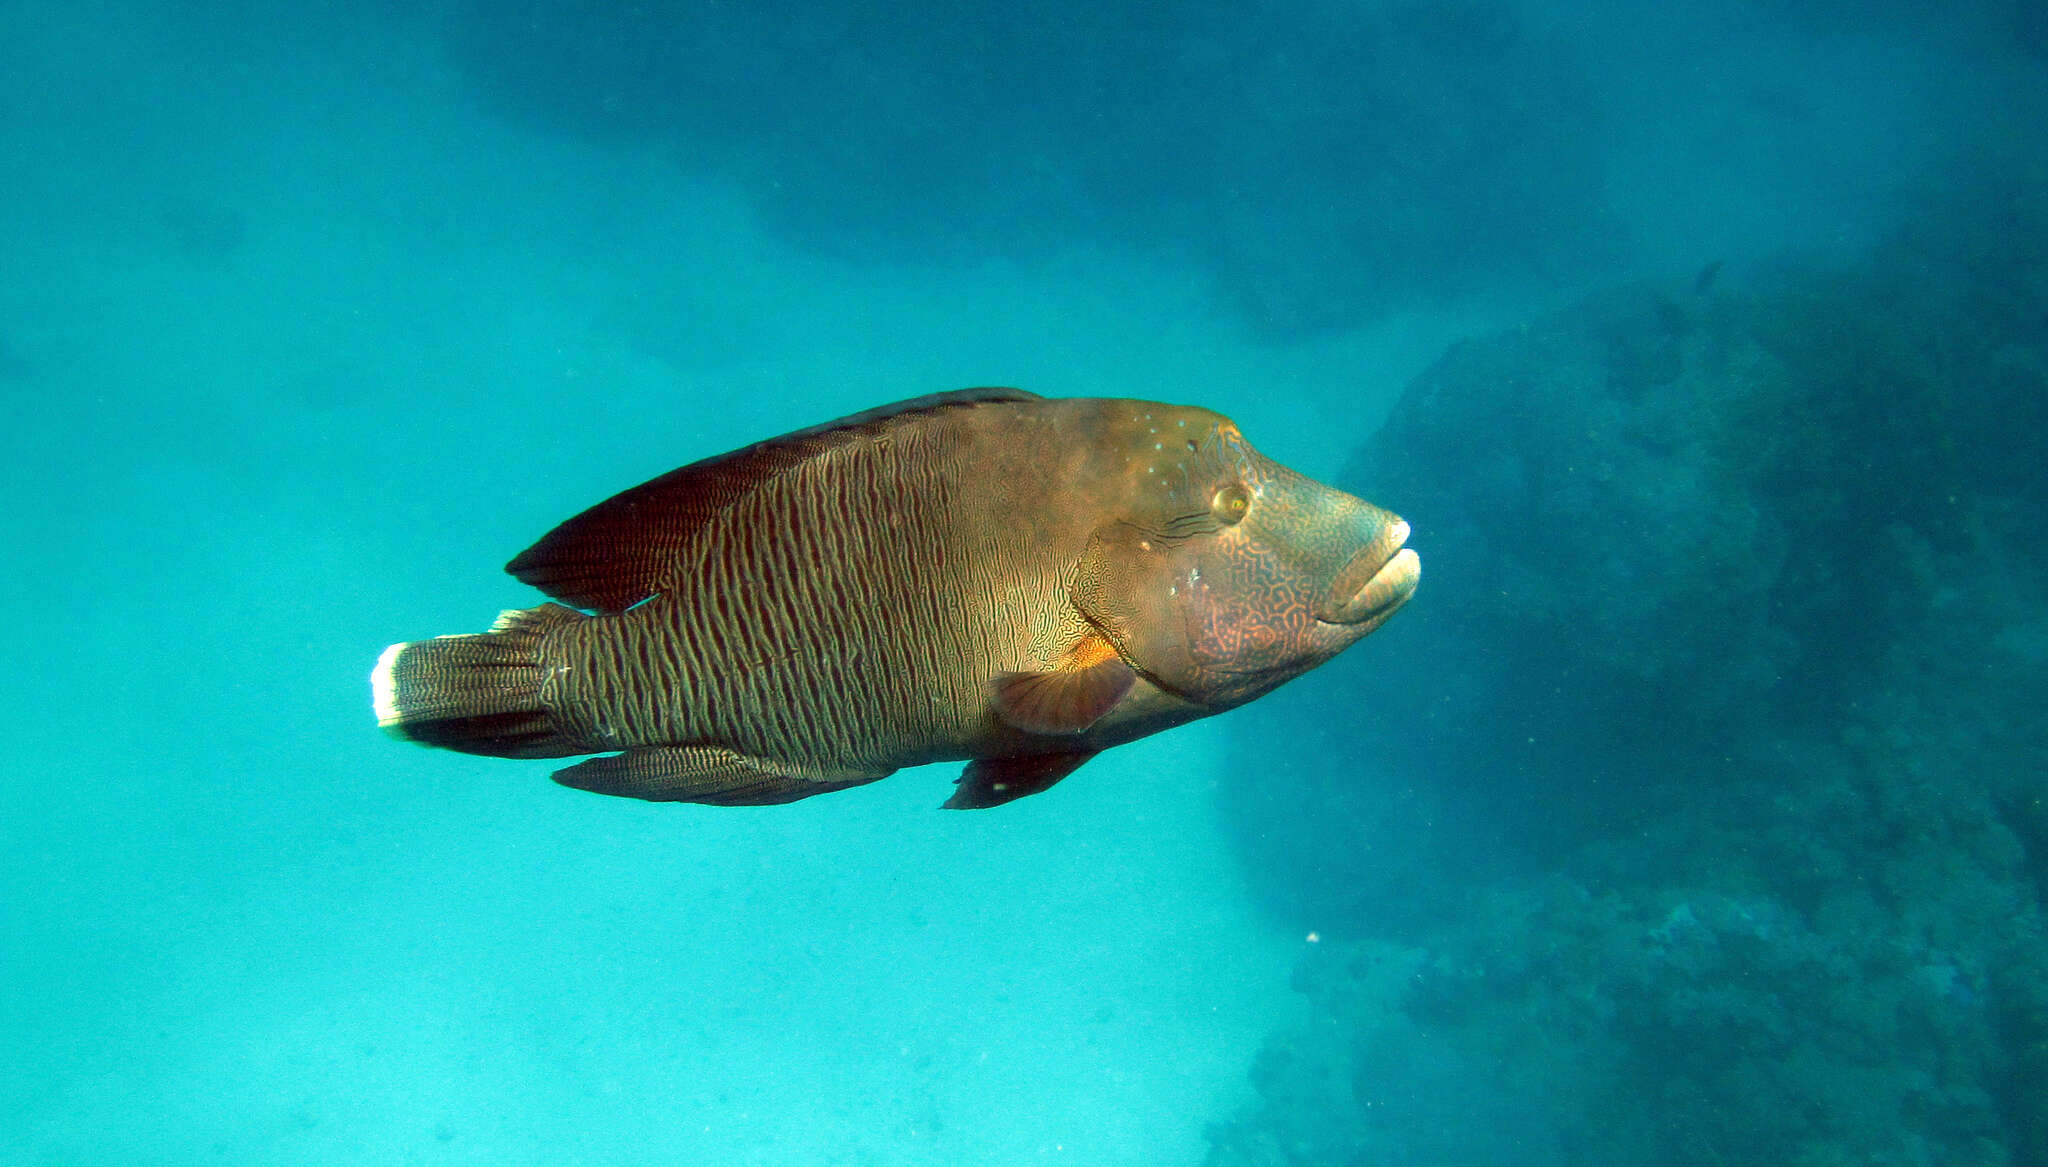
[988, 575]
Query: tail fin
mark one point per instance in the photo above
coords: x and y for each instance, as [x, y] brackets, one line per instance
[478, 694]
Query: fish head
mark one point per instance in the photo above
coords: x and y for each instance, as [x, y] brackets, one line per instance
[1221, 574]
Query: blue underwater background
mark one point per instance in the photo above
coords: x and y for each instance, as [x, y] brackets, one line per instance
[1695, 811]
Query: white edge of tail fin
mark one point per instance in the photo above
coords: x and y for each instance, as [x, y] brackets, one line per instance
[384, 690]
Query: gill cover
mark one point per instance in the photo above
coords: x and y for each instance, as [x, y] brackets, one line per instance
[1224, 583]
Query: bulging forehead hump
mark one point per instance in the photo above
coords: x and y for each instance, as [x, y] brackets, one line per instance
[1161, 437]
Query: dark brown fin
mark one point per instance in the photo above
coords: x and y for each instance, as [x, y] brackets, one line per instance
[994, 781]
[477, 694]
[708, 774]
[1068, 699]
[624, 549]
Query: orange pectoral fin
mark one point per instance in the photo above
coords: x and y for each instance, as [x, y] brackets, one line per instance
[1067, 699]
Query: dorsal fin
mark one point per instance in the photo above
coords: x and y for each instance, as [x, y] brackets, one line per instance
[620, 551]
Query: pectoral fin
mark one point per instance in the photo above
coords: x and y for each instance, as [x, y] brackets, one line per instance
[994, 781]
[708, 774]
[1088, 683]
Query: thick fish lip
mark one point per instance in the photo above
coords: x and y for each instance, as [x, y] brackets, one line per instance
[1378, 579]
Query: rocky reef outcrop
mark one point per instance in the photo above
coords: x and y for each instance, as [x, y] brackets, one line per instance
[1697, 810]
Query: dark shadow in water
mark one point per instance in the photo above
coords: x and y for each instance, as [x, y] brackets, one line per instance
[1322, 162]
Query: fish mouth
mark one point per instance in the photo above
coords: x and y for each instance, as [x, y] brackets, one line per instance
[1378, 579]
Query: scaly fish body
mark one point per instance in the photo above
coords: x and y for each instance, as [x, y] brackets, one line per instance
[985, 575]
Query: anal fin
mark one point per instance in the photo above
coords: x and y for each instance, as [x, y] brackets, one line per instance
[707, 774]
[994, 781]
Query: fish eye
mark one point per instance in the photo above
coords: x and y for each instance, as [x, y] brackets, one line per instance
[1230, 503]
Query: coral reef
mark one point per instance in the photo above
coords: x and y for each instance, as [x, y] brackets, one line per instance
[1674, 521]
[1848, 966]
[1727, 706]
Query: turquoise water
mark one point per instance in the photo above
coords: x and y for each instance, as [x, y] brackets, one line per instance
[1713, 346]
